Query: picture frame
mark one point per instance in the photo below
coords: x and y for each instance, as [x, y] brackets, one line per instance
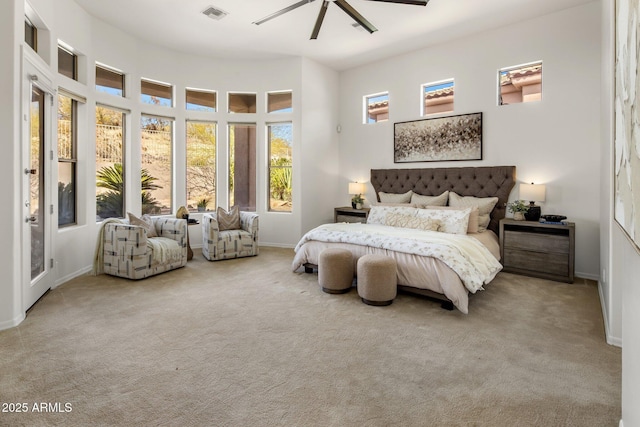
[438, 139]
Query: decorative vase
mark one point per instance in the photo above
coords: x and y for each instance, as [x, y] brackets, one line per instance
[353, 205]
[518, 216]
[358, 205]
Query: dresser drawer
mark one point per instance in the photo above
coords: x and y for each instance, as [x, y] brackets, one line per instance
[350, 218]
[536, 242]
[549, 263]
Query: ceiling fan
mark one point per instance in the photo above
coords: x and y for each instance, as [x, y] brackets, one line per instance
[342, 4]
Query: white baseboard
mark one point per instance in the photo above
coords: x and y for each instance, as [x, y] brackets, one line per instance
[589, 276]
[611, 340]
[12, 323]
[65, 279]
[621, 424]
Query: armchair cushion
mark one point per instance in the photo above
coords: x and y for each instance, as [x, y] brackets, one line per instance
[220, 244]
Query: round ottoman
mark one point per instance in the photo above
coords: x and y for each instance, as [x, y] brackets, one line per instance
[377, 280]
[335, 270]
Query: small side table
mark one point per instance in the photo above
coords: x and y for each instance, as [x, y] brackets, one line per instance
[349, 214]
[189, 251]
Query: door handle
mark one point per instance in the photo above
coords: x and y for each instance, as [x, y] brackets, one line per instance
[31, 219]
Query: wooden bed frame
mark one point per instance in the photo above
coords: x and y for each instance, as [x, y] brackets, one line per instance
[487, 181]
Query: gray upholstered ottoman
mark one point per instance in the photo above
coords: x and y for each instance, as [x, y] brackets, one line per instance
[335, 270]
[377, 280]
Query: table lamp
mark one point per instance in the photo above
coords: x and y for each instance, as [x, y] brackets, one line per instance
[356, 189]
[533, 193]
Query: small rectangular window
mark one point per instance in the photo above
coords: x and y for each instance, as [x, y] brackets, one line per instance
[376, 108]
[279, 137]
[109, 81]
[279, 102]
[201, 100]
[438, 97]
[67, 63]
[30, 34]
[242, 102]
[67, 124]
[201, 166]
[520, 83]
[156, 93]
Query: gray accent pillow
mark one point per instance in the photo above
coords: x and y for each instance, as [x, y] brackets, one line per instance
[484, 204]
[422, 201]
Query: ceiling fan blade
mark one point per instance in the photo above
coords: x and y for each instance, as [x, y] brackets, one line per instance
[316, 28]
[413, 2]
[282, 11]
[346, 7]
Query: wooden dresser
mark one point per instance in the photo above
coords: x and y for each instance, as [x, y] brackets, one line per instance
[537, 249]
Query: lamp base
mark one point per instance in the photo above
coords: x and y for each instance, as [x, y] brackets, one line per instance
[533, 214]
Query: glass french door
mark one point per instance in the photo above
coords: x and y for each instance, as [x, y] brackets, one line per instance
[36, 175]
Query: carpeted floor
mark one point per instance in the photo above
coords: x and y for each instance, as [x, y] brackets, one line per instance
[249, 343]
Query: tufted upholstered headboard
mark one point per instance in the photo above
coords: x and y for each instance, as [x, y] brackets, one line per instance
[488, 181]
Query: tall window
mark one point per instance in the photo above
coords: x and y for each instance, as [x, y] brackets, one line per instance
[110, 177]
[201, 100]
[157, 175]
[67, 63]
[67, 134]
[376, 108]
[242, 166]
[521, 83]
[156, 93]
[280, 160]
[438, 97]
[109, 80]
[242, 102]
[201, 166]
[279, 102]
[30, 34]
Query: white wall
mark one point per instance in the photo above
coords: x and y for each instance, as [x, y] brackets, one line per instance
[555, 141]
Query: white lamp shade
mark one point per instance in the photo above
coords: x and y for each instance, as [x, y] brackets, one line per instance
[533, 192]
[356, 188]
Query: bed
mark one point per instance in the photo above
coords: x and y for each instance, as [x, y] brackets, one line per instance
[423, 271]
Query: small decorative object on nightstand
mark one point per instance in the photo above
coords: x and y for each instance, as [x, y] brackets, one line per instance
[347, 214]
[538, 249]
[534, 193]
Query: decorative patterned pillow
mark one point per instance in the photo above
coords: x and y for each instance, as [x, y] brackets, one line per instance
[378, 214]
[423, 201]
[395, 198]
[145, 222]
[473, 217]
[228, 220]
[451, 221]
[410, 221]
[484, 204]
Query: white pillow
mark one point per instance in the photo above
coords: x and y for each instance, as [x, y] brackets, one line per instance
[484, 204]
[395, 198]
[410, 221]
[473, 217]
[422, 201]
[451, 221]
[378, 214]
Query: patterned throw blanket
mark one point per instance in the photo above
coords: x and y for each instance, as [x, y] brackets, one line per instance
[465, 255]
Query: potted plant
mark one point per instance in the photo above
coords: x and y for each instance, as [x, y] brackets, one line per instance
[518, 207]
[356, 201]
[202, 204]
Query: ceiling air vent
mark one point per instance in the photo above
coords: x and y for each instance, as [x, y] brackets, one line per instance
[214, 13]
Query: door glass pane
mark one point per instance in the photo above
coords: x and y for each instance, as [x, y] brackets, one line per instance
[109, 158]
[201, 166]
[242, 166]
[36, 182]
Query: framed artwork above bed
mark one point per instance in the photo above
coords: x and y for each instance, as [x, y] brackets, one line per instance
[438, 139]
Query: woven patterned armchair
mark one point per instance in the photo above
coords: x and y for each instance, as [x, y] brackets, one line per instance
[218, 245]
[129, 253]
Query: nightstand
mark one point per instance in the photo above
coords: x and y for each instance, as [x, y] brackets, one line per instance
[537, 249]
[348, 214]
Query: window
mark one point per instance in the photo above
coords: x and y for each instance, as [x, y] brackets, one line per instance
[521, 83]
[156, 93]
[279, 102]
[376, 108]
[67, 63]
[438, 97]
[156, 177]
[201, 165]
[30, 34]
[201, 100]
[242, 102]
[110, 177]
[280, 160]
[109, 81]
[242, 166]
[67, 134]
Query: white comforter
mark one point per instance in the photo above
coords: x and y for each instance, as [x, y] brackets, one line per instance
[465, 255]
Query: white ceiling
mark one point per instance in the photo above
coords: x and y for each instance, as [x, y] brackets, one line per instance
[180, 25]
